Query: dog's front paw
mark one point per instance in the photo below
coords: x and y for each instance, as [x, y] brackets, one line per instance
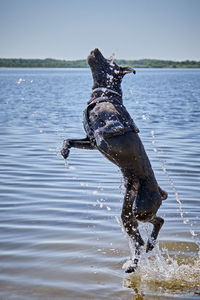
[65, 150]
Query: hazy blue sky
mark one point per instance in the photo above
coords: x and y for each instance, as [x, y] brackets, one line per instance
[69, 29]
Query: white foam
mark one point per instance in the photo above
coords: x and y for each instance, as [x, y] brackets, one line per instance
[158, 269]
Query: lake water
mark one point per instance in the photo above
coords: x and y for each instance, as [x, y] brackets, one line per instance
[60, 229]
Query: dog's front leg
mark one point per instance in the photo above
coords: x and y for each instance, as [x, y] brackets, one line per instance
[76, 143]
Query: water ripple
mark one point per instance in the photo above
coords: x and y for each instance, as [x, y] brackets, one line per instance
[60, 228]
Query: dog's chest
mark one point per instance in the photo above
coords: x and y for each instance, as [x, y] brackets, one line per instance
[108, 119]
[103, 112]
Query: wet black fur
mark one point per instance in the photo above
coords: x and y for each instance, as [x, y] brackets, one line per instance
[111, 130]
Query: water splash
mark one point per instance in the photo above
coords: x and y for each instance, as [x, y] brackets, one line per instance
[20, 80]
[112, 57]
[169, 178]
[185, 221]
[160, 271]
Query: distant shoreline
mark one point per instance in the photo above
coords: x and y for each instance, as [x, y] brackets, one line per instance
[56, 63]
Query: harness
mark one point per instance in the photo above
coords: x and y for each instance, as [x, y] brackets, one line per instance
[128, 125]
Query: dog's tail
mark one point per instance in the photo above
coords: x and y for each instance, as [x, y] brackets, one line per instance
[163, 193]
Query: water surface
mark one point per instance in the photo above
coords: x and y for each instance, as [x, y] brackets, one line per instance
[60, 227]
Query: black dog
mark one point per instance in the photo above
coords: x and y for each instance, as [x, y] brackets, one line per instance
[111, 130]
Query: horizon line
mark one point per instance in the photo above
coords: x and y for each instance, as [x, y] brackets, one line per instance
[115, 59]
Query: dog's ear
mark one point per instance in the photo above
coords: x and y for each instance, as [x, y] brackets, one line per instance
[126, 70]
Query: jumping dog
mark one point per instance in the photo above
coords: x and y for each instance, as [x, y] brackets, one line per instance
[110, 129]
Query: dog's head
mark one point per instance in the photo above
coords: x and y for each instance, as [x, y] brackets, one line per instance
[105, 72]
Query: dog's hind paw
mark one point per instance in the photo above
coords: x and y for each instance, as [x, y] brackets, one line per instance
[130, 269]
[130, 266]
[150, 245]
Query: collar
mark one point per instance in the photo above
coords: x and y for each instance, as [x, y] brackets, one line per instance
[104, 90]
[104, 99]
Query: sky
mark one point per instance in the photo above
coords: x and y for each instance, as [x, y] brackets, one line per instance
[129, 29]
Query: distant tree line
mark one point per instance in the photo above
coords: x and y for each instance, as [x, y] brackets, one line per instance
[56, 63]
[41, 63]
[156, 63]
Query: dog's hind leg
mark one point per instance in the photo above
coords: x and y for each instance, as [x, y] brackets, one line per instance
[130, 223]
[157, 224]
